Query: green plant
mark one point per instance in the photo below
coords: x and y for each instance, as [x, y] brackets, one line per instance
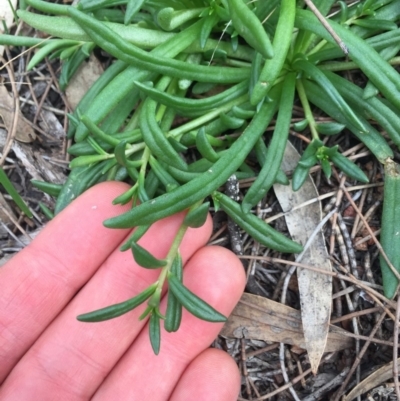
[258, 55]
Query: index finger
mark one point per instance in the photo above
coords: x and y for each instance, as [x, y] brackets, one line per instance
[40, 280]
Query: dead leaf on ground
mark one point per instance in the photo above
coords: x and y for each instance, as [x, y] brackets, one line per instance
[24, 131]
[6, 16]
[373, 380]
[315, 288]
[82, 81]
[260, 318]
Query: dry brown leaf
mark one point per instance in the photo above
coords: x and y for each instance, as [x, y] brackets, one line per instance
[373, 380]
[6, 16]
[315, 288]
[84, 78]
[259, 318]
[24, 131]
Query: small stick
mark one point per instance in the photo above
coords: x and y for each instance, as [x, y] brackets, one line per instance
[244, 367]
[325, 24]
[357, 218]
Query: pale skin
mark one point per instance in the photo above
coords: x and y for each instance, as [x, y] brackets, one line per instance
[74, 266]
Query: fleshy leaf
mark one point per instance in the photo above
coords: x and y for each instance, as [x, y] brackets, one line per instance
[173, 314]
[112, 311]
[146, 259]
[192, 302]
[154, 332]
[197, 217]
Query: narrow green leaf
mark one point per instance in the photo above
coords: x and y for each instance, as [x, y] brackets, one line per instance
[8, 186]
[132, 8]
[46, 211]
[120, 155]
[217, 203]
[331, 92]
[390, 238]
[119, 309]
[154, 332]
[231, 122]
[192, 302]
[308, 162]
[47, 187]
[146, 259]
[49, 48]
[197, 217]
[326, 168]
[299, 177]
[136, 235]
[162, 174]
[331, 128]
[376, 24]
[370, 91]
[208, 24]
[204, 147]
[300, 125]
[126, 197]
[177, 267]
[348, 167]
[173, 314]
[88, 160]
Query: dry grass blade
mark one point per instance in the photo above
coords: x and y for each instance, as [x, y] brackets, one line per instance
[374, 380]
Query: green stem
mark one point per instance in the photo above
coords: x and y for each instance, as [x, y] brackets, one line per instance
[155, 298]
[135, 148]
[198, 122]
[173, 251]
[133, 123]
[317, 47]
[307, 109]
[145, 160]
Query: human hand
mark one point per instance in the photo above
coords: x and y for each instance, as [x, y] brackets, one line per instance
[74, 266]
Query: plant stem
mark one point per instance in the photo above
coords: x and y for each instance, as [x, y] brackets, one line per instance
[173, 251]
[197, 122]
[170, 258]
[307, 109]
